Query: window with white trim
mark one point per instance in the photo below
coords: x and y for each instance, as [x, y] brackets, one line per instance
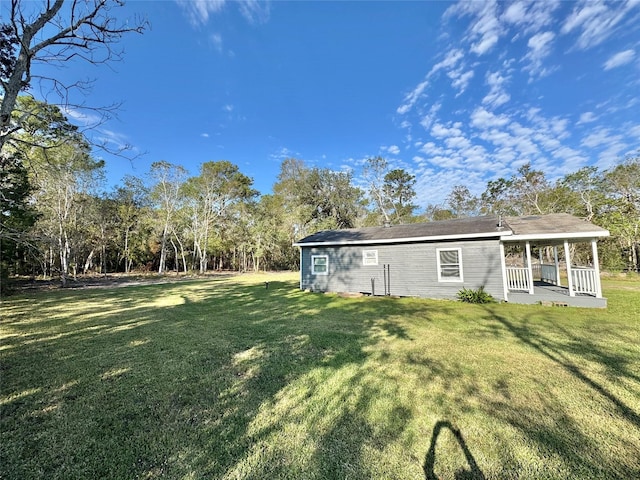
[449, 262]
[370, 257]
[319, 264]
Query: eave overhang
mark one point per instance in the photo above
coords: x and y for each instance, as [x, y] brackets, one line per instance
[432, 238]
[555, 236]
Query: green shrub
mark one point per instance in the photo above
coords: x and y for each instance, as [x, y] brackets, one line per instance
[469, 295]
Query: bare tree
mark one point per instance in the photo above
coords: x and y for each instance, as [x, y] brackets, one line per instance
[56, 33]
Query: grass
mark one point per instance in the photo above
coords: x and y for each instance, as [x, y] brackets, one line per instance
[226, 379]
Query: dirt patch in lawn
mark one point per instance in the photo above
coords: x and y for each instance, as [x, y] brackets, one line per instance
[25, 284]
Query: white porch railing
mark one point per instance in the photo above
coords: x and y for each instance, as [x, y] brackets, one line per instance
[545, 272]
[518, 278]
[584, 280]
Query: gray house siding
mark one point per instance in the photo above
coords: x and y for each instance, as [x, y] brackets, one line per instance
[412, 269]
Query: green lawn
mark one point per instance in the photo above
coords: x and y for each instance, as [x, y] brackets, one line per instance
[223, 378]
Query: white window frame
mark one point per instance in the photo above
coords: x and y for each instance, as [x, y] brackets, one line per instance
[369, 259]
[439, 266]
[313, 265]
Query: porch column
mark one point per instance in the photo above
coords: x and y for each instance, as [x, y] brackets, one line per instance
[567, 257]
[555, 259]
[529, 267]
[505, 281]
[596, 267]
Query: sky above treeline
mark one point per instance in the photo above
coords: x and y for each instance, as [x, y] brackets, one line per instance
[455, 93]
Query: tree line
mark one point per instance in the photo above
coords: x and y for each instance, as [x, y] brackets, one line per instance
[56, 224]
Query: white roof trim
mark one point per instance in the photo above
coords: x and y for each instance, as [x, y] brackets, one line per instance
[555, 236]
[433, 238]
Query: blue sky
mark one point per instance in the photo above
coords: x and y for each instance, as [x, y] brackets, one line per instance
[455, 93]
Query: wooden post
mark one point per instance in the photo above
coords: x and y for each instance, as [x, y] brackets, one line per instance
[567, 257]
[529, 267]
[596, 267]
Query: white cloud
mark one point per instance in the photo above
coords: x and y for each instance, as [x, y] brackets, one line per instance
[255, 11]
[481, 118]
[619, 59]
[602, 136]
[509, 124]
[497, 95]
[485, 29]
[430, 148]
[110, 139]
[83, 118]
[412, 97]
[458, 142]
[539, 48]
[572, 159]
[283, 153]
[198, 11]
[516, 13]
[587, 117]
[460, 80]
[392, 149]
[559, 127]
[441, 131]
[450, 61]
[216, 41]
[228, 108]
[428, 119]
[596, 21]
[454, 65]
[530, 17]
[204, 135]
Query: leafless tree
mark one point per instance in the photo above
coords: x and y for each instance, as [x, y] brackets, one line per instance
[55, 32]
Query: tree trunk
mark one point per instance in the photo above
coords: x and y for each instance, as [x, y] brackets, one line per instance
[163, 250]
[126, 250]
[88, 262]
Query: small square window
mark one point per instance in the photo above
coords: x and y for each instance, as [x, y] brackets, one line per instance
[319, 264]
[370, 257]
[449, 265]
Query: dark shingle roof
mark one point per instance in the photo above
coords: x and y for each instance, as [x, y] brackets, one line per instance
[556, 223]
[458, 228]
[560, 225]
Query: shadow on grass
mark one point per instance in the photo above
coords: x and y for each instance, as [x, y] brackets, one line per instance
[175, 380]
[558, 352]
[473, 473]
[216, 379]
[552, 423]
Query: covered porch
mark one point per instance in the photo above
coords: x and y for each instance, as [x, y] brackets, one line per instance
[547, 270]
[548, 294]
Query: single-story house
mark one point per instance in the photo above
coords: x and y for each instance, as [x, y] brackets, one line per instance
[438, 259]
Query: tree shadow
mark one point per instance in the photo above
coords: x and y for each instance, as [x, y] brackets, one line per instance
[181, 377]
[473, 472]
[557, 353]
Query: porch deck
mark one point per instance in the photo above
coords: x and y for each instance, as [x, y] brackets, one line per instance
[544, 292]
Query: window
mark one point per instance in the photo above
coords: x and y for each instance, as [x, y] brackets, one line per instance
[449, 264]
[370, 257]
[319, 264]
